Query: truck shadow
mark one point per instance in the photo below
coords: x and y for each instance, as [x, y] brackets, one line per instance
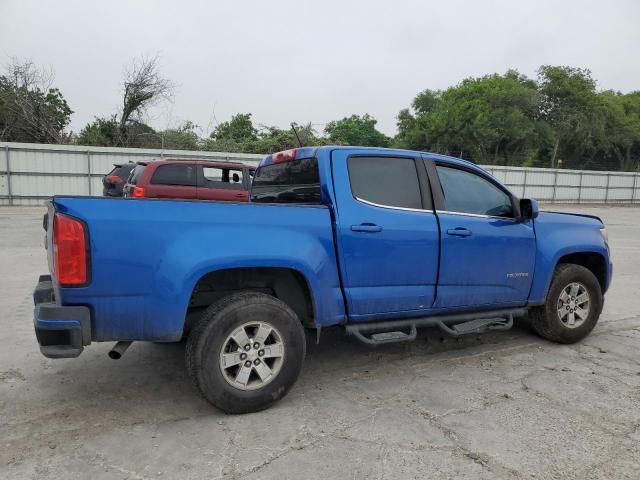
[339, 351]
[149, 384]
[430, 341]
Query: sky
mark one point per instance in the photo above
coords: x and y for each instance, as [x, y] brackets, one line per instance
[302, 61]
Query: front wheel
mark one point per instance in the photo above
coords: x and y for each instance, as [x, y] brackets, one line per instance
[246, 352]
[573, 305]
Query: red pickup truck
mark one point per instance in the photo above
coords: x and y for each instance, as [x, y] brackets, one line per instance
[190, 179]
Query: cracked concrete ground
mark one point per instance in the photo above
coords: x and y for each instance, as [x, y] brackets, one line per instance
[501, 406]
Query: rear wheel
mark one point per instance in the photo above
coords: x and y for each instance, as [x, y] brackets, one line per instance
[246, 352]
[573, 305]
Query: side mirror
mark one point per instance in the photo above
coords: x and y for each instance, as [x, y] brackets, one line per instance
[528, 209]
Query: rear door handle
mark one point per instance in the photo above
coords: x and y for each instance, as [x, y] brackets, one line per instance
[366, 227]
[459, 232]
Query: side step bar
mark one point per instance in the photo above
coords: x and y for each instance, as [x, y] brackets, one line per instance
[382, 337]
[478, 325]
[455, 325]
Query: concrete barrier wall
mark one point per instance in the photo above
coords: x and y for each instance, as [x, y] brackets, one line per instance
[30, 173]
[570, 186]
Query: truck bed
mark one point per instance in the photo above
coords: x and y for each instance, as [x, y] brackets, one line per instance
[147, 256]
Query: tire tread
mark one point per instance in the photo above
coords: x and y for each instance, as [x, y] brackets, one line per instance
[543, 318]
[200, 331]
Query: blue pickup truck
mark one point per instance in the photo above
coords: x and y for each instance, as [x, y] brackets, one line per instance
[378, 241]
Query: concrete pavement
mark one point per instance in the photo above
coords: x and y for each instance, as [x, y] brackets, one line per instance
[501, 406]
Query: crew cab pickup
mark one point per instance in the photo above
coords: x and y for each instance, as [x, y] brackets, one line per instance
[378, 241]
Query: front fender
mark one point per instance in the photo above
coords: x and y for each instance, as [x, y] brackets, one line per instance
[558, 235]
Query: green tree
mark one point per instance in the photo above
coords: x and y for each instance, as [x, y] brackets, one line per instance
[426, 101]
[240, 135]
[273, 139]
[183, 137]
[492, 119]
[106, 132]
[574, 113]
[31, 111]
[144, 87]
[356, 130]
[622, 129]
[102, 132]
[239, 129]
[413, 130]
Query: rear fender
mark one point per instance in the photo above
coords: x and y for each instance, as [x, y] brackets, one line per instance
[313, 260]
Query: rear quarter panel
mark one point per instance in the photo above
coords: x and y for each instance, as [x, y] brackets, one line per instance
[147, 256]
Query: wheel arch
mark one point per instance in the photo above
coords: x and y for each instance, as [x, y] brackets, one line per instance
[592, 261]
[287, 284]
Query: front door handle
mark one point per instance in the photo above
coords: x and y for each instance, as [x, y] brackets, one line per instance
[366, 227]
[459, 232]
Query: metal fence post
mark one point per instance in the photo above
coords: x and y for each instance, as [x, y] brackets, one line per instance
[606, 191]
[633, 192]
[6, 153]
[89, 170]
[524, 184]
[580, 188]
[555, 184]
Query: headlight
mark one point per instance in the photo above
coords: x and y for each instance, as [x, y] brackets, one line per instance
[605, 235]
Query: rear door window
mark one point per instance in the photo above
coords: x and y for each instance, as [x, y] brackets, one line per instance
[296, 181]
[175, 174]
[219, 177]
[385, 181]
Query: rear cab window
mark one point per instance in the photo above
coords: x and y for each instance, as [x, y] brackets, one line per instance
[385, 181]
[293, 181]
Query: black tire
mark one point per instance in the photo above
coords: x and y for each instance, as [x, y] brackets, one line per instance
[208, 338]
[545, 320]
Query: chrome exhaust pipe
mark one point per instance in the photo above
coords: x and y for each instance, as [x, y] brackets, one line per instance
[118, 350]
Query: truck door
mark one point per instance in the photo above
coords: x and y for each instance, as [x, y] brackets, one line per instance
[387, 233]
[487, 254]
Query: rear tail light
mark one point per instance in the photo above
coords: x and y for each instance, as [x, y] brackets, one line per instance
[113, 179]
[284, 156]
[70, 257]
[137, 192]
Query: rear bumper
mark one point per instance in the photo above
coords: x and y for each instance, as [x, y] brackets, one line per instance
[62, 331]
